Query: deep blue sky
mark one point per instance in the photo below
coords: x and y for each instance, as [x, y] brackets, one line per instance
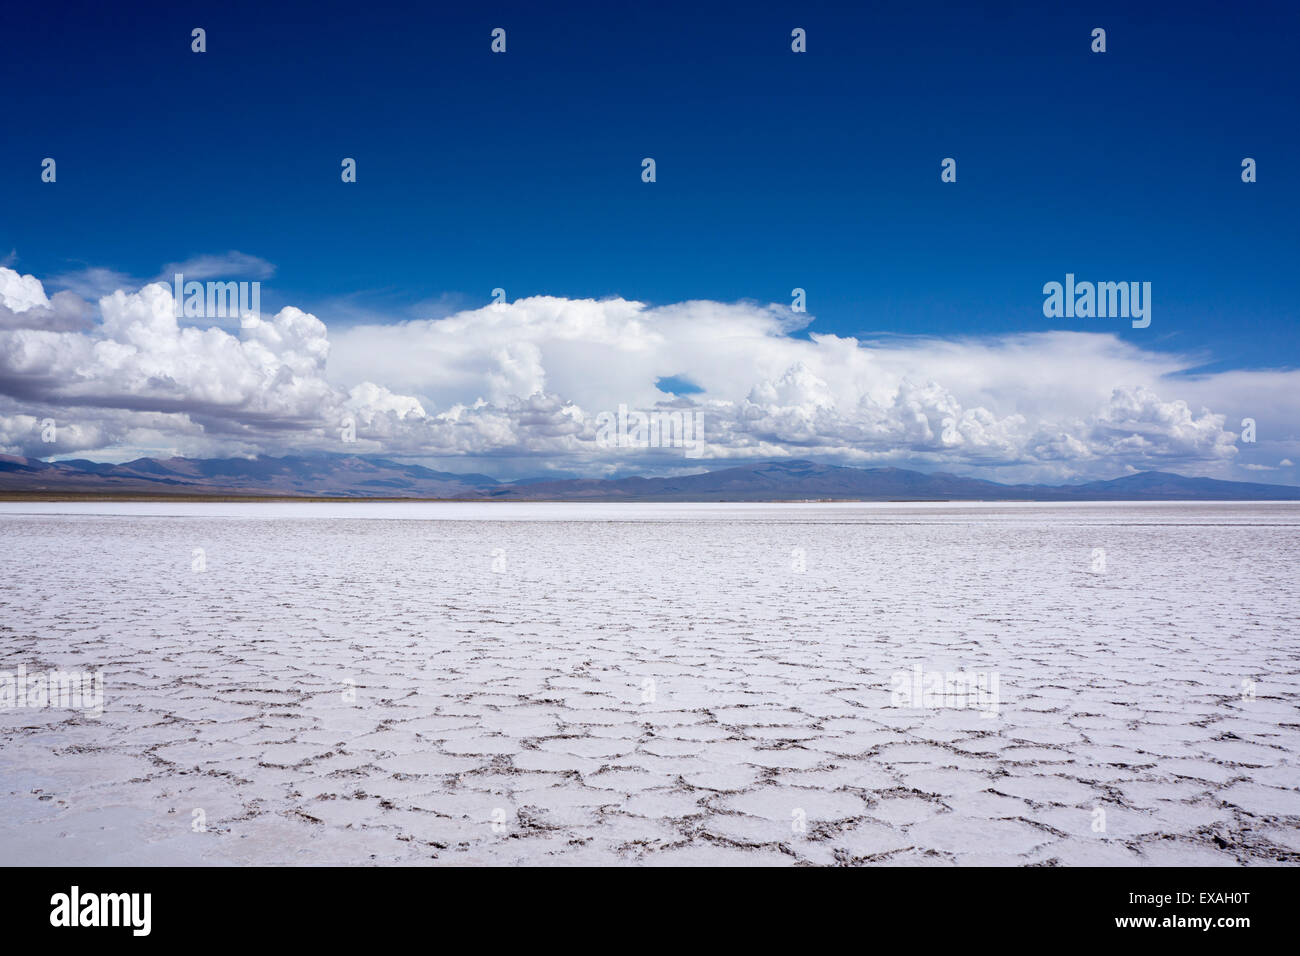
[775, 170]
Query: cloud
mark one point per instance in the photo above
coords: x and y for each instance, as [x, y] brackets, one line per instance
[43, 436]
[24, 305]
[229, 265]
[521, 384]
[93, 282]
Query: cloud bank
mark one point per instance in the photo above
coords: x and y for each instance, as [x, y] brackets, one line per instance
[521, 384]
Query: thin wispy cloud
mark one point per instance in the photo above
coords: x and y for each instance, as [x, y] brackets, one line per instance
[225, 266]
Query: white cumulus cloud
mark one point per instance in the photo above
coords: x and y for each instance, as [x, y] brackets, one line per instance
[524, 381]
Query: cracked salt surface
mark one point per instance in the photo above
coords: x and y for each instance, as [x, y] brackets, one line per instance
[651, 684]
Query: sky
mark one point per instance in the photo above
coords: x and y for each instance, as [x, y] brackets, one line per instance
[924, 342]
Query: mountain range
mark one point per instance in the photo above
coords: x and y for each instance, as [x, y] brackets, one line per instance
[364, 476]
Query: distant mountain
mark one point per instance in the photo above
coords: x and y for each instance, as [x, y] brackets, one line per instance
[363, 476]
[800, 480]
[349, 476]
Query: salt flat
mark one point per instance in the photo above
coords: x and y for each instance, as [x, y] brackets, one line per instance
[667, 684]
